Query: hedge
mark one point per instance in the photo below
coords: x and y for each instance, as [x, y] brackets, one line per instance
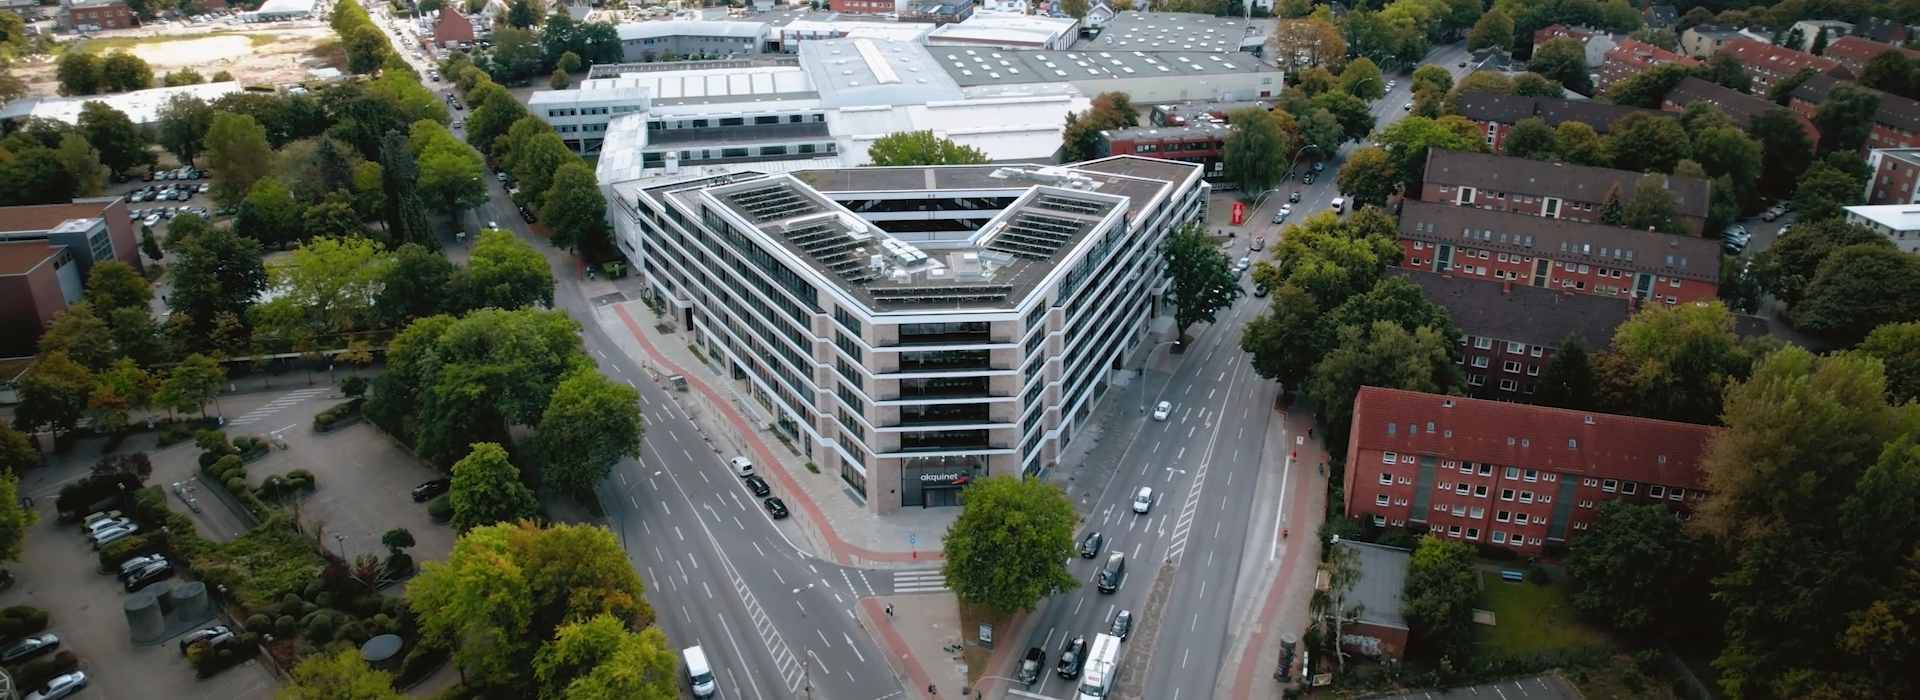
[37, 672]
[19, 621]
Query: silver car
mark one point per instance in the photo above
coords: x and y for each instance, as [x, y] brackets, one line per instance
[60, 687]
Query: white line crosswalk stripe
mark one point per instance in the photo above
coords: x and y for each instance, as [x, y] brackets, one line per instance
[276, 405]
[918, 582]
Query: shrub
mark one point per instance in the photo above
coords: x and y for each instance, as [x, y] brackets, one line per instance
[121, 550]
[38, 671]
[21, 620]
[259, 622]
[285, 626]
[247, 444]
[353, 631]
[298, 485]
[354, 386]
[237, 485]
[1537, 574]
[325, 599]
[301, 474]
[440, 508]
[399, 564]
[79, 497]
[304, 648]
[320, 629]
[382, 624]
[419, 663]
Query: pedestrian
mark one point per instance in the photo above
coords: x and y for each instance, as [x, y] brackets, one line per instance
[889, 611]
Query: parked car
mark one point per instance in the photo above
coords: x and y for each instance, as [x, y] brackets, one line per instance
[1319, 165]
[1030, 666]
[1306, 179]
[1070, 657]
[158, 571]
[112, 535]
[102, 515]
[1295, 197]
[1242, 265]
[60, 687]
[741, 466]
[527, 213]
[775, 508]
[1122, 625]
[1090, 546]
[134, 565]
[100, 525]
[212, 635]
[29, 648]
[1260, 290]
[758, 486]
[426, 492]
[1258, 243]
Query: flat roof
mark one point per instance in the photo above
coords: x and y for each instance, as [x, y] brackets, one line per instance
[800, 29]
[986, 66]
[633, 31]
[40, 218]
[281, 7]
[1176, 31]
[990, 27]
[1895, 217]
[21, 257]
[849, 72]
[141, 106]
[1383, 573]
[712, 86]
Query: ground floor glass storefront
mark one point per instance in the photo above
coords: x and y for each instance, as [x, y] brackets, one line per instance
[936, 481]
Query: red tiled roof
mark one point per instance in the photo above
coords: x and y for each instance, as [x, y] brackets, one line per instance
[452, 26]
[1644, 55]
[1560, 30]
[1861, 49]
[1775, 59]
[1532, 437]
[43, 217]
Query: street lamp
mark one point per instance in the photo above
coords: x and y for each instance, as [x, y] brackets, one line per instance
[1143, 372]
[1363, 80]
[340, 541]
[1296, 156]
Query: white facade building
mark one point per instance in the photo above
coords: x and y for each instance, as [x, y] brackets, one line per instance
[1900, 223]
[1008, 31]
[642, 41]
[792, 34]
[914, 328]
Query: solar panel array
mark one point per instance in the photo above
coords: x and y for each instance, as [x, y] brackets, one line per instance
[1036, 236]
[774, 203]
[1076, 206]
[836, 251]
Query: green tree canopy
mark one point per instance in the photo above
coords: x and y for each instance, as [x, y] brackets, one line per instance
[503, 272]
[1361, 79]
[1577, 143]
[1203, 281]
[1644, 142]
[1383, 353]
[486, 489]
[116, 285]
[1529, 138]
[1495, 28]
[218, 272]
[1823, 192]
[1890, 71]
[190, 385]
[1787, 267]
[1653, 206]
[1637, 568]
[327, 287]
[238, 154]
[1845, 117]
[1009, 547]
[124, 72]
[1368, 177]
[341, 676]
[921, 148]
[1255, 149]
[1563, 60]
[1672, 362]
[1439, 594]
[479, 603]
[415, 286]
[1858, 288]
[1569, 380]
[1408, 140]
[576, 212]
[590, 424]
[80, 333]
[53, 394]
[601, 658]
[1897, 347]
[122, 144]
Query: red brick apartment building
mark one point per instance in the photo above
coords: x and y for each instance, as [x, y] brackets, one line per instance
[1894, 126]
[1556, 31]
[1552, 190]
[1201, 141]
[1508, 332]
[1896, 171]
[452, 28]
[97, 15]
[1767, 64]
[862, 6]
[1854, 52]
[1560, 254]
[1630, 56]
[1495, 113]
[1741, 106]
[46, 251]
[1510, 475]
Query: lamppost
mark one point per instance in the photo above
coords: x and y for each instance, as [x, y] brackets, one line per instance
[1291, 160]
[1363, 81]
[1143, 372]
[340, 541]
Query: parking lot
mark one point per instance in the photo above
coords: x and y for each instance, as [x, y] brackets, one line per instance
[153, 203]
[1547, 687]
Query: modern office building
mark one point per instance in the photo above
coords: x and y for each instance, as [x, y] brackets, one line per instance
[646, 41]
[914, 328]
[1900, 223]
[46, 253]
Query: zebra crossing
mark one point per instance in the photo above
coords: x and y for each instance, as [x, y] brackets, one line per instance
[791, 671]
[918, 582]
[272, 407]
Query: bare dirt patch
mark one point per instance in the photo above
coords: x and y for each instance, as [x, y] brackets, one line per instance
[254, 54]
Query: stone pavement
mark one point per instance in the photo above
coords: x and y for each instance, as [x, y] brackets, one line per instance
[1288, 571]
[918, 638]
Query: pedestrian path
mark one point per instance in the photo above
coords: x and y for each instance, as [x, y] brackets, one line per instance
[918, 582]
[276, 405]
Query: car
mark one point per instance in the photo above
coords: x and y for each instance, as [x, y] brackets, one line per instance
[1260, 290]
[60, 687]
[1258, 242]
[456, 123]
[493, 224]
[29, 648]
[1286, 210]
[1242, 265]
[102, 515]
[459, 106]
[775, 507]
[1392, 83]
[1408, 107]
[156, 572]
[1295, 197]
[134, 565]
[1319, 165]
[1070, 657]
[758, 486]
[1090, 545]
[526, 213]
[501, 176]
[1162, 410]
[148, 177]
[1306, 179]
[1280, 217]
[1030, 666]
[1122, 625]
[1143, 500]
[205, 188]
[99, 525]
[212, 635]
[426, 492]
[112, 535]
[1771, 214]
[1463, 64]
[742, 467]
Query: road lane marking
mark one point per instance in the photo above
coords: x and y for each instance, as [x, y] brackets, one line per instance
[823, 640]
[756, 548]
[684, 613]
[918, 582]
[708, 589]
[816, 658]
[736, 651]
[676, 531]
[743, 527]
[854, 647]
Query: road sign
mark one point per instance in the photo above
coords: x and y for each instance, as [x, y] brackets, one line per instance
[913, 540]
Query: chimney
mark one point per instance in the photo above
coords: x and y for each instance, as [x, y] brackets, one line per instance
[1506, 287]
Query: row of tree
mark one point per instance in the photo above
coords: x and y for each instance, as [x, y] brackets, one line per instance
[1840, 280]
[80, 72]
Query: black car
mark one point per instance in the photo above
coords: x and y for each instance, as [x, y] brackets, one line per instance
[1090, 547]
[1295, 197]
[775, 508]
[29, 648]
[148, 576]
[426, 492]
[1030, 667]
[1122, 625]
[527, 214]
[1070, 657]
[758, 486]
[1306, 179]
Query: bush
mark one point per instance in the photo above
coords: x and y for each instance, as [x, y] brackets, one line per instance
[19, 621]
[302, 474]
[248, 444]
[259, 622]
[353, 631]
[440, 508]
[285, 626]
[38, 671]
[419, 663]
[236, 486]
[399, 564]
[79, 497]
[354, 386]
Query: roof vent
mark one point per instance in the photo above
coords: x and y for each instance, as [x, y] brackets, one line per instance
[1446, 403]
[1589, 420]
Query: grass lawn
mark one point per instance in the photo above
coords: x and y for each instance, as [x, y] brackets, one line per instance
[1531, 618]
[970, 618]
[106, 44]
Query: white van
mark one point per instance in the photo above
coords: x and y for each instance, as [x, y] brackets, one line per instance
[1339, 205]
[699, 674]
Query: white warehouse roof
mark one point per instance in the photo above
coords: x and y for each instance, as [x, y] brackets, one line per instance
[141, 106]
[632, 31]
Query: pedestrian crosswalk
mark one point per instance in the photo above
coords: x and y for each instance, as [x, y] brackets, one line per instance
[918, 582]
[291, 398]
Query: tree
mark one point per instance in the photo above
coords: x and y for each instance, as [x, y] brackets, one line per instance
[1782, 91]
[1407, 142]
[269, 215]
[1726, 71]
[78, 73]
[53, 394]
[1381, 353]
[1315, 81]
[124, 72]
[1569, 380]
[184, 122]
[1285, 340]
[1361, 79]
[1439, 594]
[341, 676]
[1430, 76]
[118, 389]
[333, 218]
[576, 211]
[1644, 142]
[451, 175]
[122, 144]
[191, 384]
[1564, 61]
[1671, 362]
[1356, 119]
[1895, 345]
[590, 424]
[454, 382]
[522, 14]
[1578, 144]
[1009, 547]
[82, 163]
[327, 287]
[1654, 207]
[1309, 42]
[1739, 286]
[601, 658]
[1368, 177]
[1203, 281]
[478, 603]
[1320, 132]
[1537, 85]
[149, 245]
[1636, 567]
[1859, 288]
[184, 76]
[397, 539]
[536, 153]
[921, 148]
[1823, 193]
[238, 154]
[1254, 150]
[1819, 43]
[486, 490]
[218, 272]
[367, 49]
[1785, 150]
[1647, 88]
[568, 61]
[414, 286]
[1529, 138]
[1612, 211]
[1723, 151]
[1845, 117]
[18, 453]
[503, 272]
[494, 111]
[405, 215]
[1788, 267]
[1890, 71]
[1495, 28]
[81, 334]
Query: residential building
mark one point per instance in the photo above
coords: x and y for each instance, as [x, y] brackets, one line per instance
[1558, 253]
[140, 106]
[913, 328]
[1702, 41]
[1885, 31]
[874, 7]
[1201, 141]
[1099, 14]
[1510, 331]
[1896, 176]
[1003, 31]
[1894, 124]
[1553, 190]
[1768, 64]
[1528, 478]
[1742, 107]
[1630, 56]
[38, 279]
[1377, 630]
[646, 41]
[96, 15]
[1495, 113]
[1807, 31]
[1184, 113]
[452, 29]
[1660, 16]
[1900, 223]
[1597, 42]
[1854, 52]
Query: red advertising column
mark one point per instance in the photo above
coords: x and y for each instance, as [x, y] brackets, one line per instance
[1239, 213]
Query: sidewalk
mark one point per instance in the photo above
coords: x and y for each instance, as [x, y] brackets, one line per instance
[1254, 645]
[923, 627]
